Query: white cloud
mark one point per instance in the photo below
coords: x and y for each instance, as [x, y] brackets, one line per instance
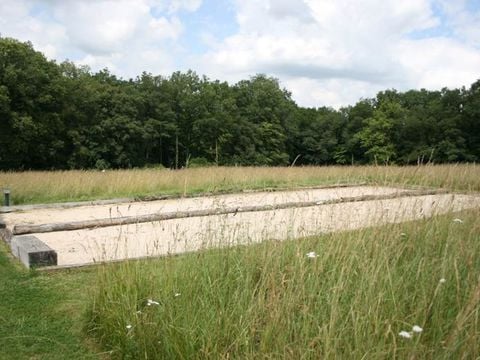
[100, 62]
[165, 28]
[327, 52]
[101, 27]
[16, 22]
[465, 23]
[188, 5]
[127, 36]
[334, 52]
[330, 92]
[439, 62]
[285, 9]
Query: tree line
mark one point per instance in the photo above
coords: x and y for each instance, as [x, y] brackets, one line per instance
[64, 116]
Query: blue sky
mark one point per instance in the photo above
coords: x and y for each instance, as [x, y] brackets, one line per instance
[214, 17]
[326, 52]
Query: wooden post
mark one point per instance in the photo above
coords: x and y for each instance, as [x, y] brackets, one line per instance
[6, 200]
[176, 151]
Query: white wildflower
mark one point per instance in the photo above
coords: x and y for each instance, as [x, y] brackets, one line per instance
[405, 334]
[103, 170]
[128, 327]
[458, 221]
[312, 254]
[151, 302]
[442, 281]
[177, 294]
[417, 329]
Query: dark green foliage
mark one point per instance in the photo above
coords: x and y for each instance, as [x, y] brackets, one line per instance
[60, 116]
[31, 94]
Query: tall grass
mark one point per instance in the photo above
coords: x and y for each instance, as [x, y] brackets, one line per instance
[272, 301]
[53, 186]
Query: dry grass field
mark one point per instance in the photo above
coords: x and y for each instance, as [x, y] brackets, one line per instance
[56, 186]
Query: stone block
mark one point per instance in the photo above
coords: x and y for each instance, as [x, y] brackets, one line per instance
[33, 252]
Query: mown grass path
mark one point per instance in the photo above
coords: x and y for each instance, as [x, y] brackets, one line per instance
[41, 314]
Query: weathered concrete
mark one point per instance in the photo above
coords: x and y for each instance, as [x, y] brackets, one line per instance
[326, 210]
[33, 252]
[176, 236]
[126, 220]
[6, 235]
[151, 198]
[95, 212]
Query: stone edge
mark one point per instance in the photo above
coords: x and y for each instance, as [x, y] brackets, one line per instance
[32, 252]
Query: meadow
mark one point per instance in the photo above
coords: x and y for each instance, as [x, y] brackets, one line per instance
[31, 187]
[409, 290]
[351, 295]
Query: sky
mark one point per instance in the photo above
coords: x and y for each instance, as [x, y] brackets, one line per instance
[326, 52]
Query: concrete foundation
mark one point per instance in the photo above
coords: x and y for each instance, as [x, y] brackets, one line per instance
[326, 210]
[33, 252]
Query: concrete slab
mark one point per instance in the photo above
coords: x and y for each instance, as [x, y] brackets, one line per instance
[161, 237]
[33, 252]
[88, 246]
[91, 212]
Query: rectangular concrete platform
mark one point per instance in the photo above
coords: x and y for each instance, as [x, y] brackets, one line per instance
[176, 236]
[33, 252]
[112, 211]
[327, 210]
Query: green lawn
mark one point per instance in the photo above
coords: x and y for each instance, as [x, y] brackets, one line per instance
[42, 314]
